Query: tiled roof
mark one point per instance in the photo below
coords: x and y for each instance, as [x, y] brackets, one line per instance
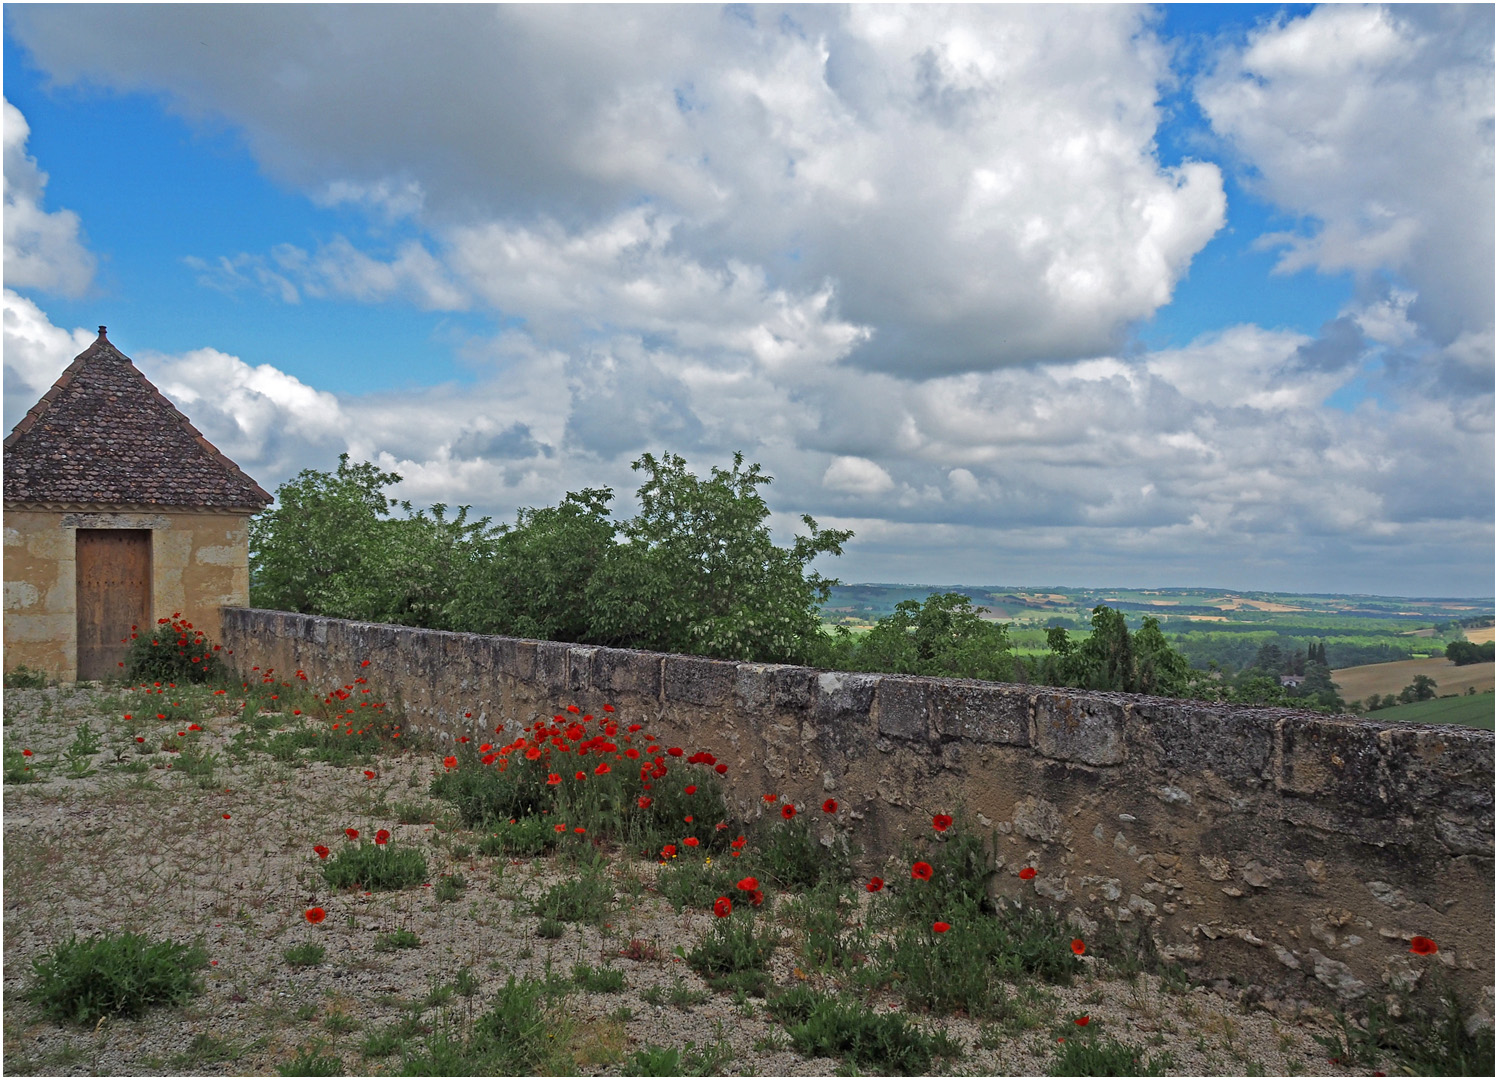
[104, 434]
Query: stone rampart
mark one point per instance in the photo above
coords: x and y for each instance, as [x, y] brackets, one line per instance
[1293, 854]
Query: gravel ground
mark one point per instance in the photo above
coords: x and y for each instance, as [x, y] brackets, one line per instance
[228, 861]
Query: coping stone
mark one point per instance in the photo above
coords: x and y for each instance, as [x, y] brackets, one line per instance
[982, 712]
[1076, 726]
[696, 680]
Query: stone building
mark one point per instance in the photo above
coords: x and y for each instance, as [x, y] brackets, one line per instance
[117, 512]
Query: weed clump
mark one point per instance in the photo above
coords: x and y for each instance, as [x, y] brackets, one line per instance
[114, 975]
[375, 867]
[884, 1042]
[173, 651]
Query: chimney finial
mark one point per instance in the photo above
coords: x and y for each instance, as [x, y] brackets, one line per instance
[103, 330]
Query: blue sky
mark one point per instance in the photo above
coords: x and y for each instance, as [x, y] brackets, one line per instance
[1189, 295]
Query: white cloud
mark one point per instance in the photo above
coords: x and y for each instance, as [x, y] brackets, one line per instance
[42, 250]
[977, 185]
[857, 476]
[36, 352]
[1377, 125]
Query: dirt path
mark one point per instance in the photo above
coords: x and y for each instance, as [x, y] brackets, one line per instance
[226, 856]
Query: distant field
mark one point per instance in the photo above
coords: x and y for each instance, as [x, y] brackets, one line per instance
[1359, 683]
[1479, 635]
[1476, 711]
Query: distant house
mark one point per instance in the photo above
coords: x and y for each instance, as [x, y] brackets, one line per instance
[1292, 680]
[117, 512]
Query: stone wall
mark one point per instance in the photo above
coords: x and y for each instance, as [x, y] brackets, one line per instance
[199, 564]
[1291, 853]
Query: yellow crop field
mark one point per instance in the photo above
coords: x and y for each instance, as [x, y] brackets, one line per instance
[1479, 635]
[1359, 683]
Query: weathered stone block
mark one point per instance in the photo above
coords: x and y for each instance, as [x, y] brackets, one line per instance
[1078, 727]
[515, 657]
[551, 666]
[692, 680]
[980, 711]
[580, 668]
[844, 698]
[626, 671]
[772, 688]
[1233, 744]
[901, 706]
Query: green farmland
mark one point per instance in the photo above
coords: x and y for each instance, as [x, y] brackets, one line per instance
[1475, 711]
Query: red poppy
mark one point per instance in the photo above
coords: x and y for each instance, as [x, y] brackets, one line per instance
[468, 716]
[669, 851]
[316, 915]
[365, 664]
[561, 827]
[644, 802]
[533, 753]
[769, 798]
[722, 906]
[352, 834]
[322, 852]
[691, 789]
[579, 830]
[573, 709]
[690, 841]
[830, 806]
[192, 727]
[1422, 946]
[941, 927]
[580, 775]
[875, 884]
[1078, 946]
[369, 774]
[382, 837]
[737, 843]
[941, 822]
[757, 898]
[674, 751]
[720, 769]
[486, 747]
[450, 762]
[748, 884]
[463, 738]
[687, 819]
[140, 738]
[921, 871]
[603, 767]
[1027, 873]
[788, 811]
[1082, 1021]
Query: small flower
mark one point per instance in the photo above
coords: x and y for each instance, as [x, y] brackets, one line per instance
[921, 871]
[1078, 946]
[722, 907]
[352, 834]
[941, 927]
[573, 709]
[1082, 1021]
[690, 841]
[322, 852]
[788, 811]
[579, 830]
[316, 915]
[1422, 946]
[875, 884]
[382, 837]
[365, 664]
[674, 751]
[748, 884]
[193, 727]
[720, 769]
[644, 802]
[553, 779]
[561, 827]
[830, 806]
[226, 817]
[757, 898]
[140, 738]
[770, 798]
[369, 774]
[463, 739]
[941, 822]
[580, 775]
[603, 767]
[691, 789]
[1027, 873]
[450, 762]
[669, 851]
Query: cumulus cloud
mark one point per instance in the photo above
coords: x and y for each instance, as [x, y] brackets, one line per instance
[42, 250]
[36, 352]
[978, 187]
[1376, 125]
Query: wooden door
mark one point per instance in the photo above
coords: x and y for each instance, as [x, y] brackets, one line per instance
[114, 593]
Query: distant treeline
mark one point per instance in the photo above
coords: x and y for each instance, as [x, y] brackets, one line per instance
[696, 572]
[1467, 652]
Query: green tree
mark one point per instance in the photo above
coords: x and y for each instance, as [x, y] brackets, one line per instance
[318, 550]
[944, 636]
[699, 573]
[1423, 688]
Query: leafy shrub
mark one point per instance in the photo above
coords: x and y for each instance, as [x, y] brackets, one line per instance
[584, 899]
[653, 1060]
[397, 939]
[450, 887]
[173, 651]
[885, 1042]
[1087, 1053]
[690, 882]
[375, 866]
[733, 946]
[116, 974]
[21, 677]
[796, 859]
[18, 767]
[512, 1039]
[312, 1061]
[598, 980]
[308, 954]
[527, 837]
